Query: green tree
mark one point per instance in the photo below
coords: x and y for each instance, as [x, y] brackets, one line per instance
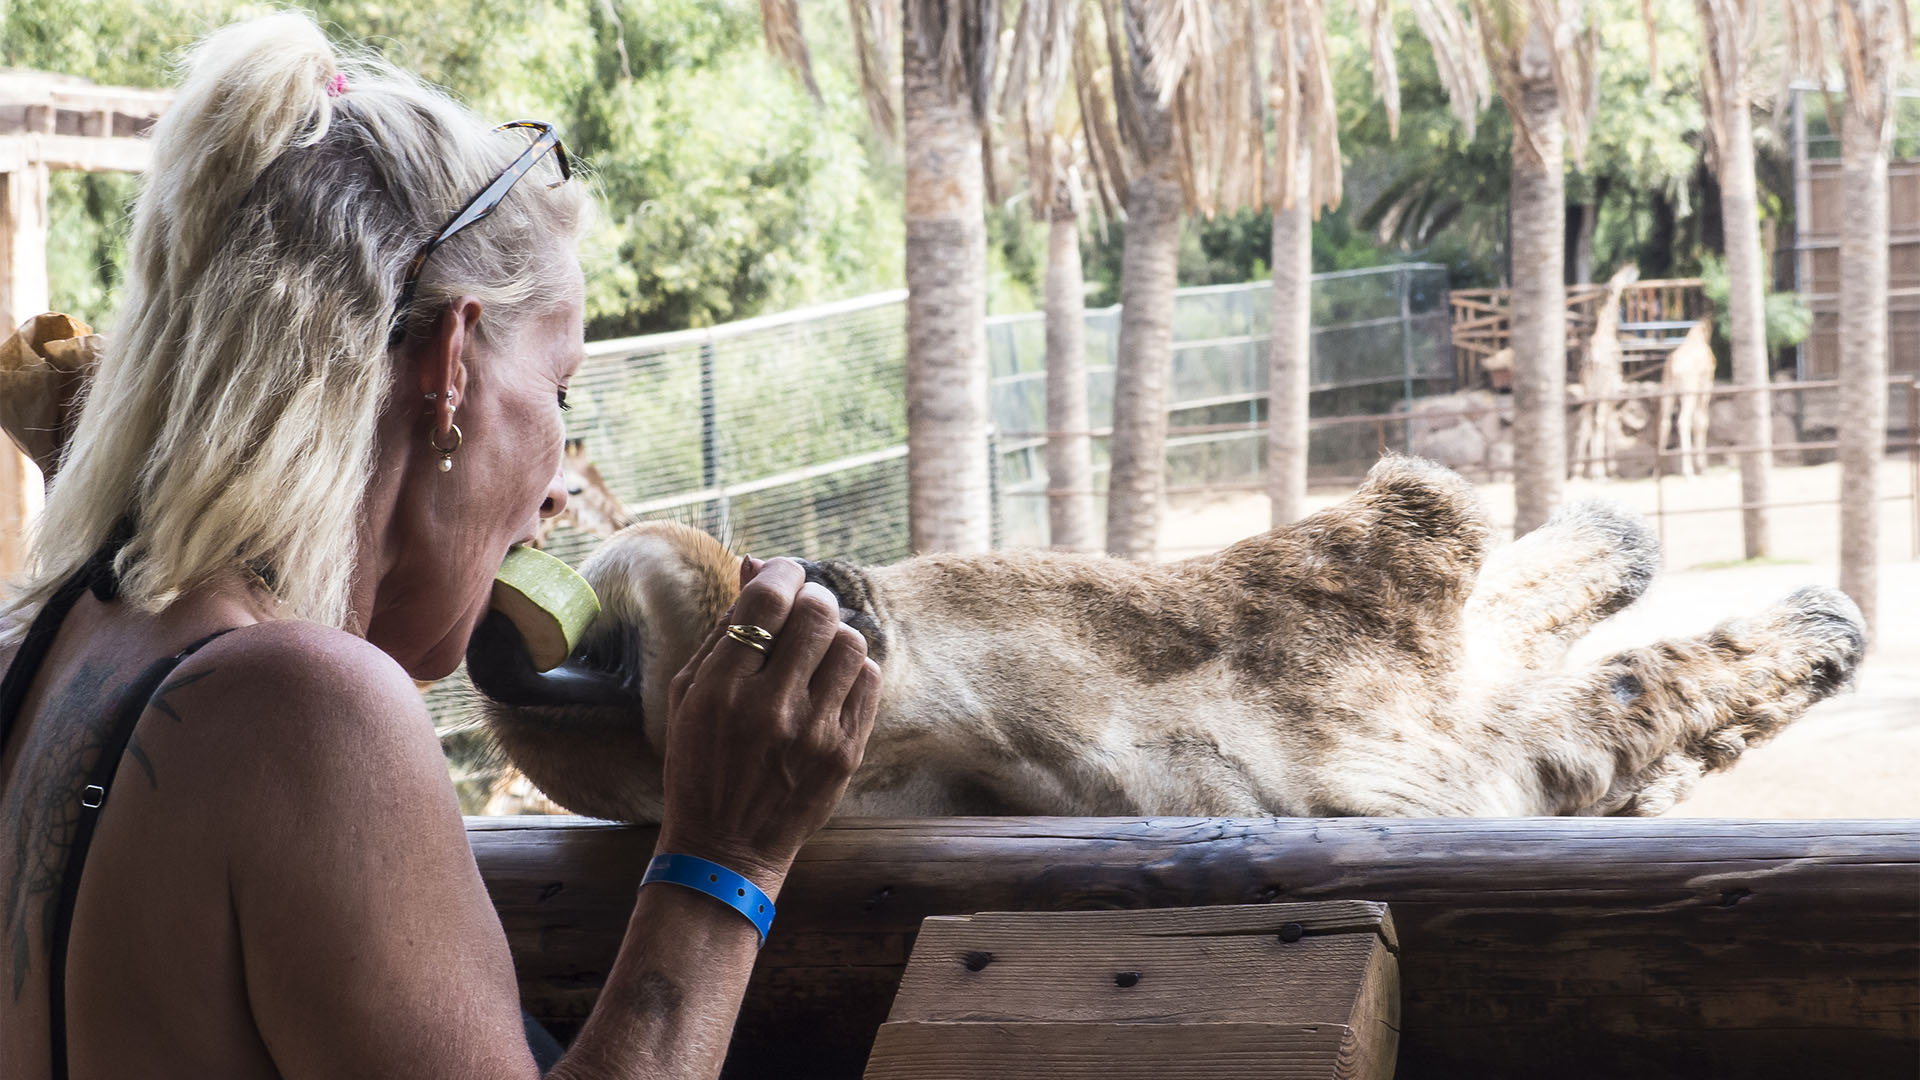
[728, 188]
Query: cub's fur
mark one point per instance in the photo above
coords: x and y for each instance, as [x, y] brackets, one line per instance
[1373, 659]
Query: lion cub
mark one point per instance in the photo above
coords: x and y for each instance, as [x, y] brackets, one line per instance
[1372, 659]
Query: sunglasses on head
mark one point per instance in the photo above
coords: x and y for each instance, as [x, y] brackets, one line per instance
[479, 207]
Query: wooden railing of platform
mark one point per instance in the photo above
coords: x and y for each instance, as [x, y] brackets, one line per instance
[1654, 315]
[1564, 947]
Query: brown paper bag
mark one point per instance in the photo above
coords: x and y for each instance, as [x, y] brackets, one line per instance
[44, 368]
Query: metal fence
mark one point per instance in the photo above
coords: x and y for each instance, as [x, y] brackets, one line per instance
[1381, 338]
[787, 434]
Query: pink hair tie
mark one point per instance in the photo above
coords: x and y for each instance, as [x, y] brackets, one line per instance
[337, 85]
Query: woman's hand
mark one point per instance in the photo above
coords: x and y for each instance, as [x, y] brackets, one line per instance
[760, 748]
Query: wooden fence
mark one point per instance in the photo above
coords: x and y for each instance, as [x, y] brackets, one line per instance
[1574, 948]
[1654, 317]
[1818, 266]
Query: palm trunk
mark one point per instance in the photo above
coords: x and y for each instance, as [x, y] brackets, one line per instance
[1290, 358]
[1136, 487]
[1069, 449]
[1863, 359]
[949, 501]
[1746, 312]
[1539, 296]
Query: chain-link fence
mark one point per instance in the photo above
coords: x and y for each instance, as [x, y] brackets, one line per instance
[1380, 340]
[785, 434]
[788, 433]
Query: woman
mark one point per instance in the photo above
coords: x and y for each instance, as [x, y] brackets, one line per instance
[333, 402]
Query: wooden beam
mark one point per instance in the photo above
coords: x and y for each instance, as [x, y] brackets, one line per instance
[1565, 947]
[82, 153]
[68, 92]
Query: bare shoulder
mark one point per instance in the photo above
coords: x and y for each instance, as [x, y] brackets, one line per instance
[370, 947]
[317, 661]
[302, 707]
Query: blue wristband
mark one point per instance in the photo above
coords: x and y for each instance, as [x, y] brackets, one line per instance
[731, 889]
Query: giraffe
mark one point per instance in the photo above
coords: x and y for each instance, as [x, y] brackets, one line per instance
[592, 507]
[1597, 428]
[1686, 387]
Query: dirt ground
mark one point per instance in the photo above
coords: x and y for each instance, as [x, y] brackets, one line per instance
[1856, 755]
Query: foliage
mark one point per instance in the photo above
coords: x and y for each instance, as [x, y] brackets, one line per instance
[1437, 193]
[728, 190]
[1788, 319]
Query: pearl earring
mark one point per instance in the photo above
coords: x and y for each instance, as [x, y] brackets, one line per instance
[445, 452]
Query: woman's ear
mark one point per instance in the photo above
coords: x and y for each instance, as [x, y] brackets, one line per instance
[441, 361]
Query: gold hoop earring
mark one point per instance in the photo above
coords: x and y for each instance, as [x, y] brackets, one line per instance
[445, 452]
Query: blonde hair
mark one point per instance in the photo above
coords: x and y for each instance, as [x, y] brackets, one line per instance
[232, 422]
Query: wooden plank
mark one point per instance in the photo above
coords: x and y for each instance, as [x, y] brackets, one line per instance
[1572, 947]
[918, 1051]
[1277, 968]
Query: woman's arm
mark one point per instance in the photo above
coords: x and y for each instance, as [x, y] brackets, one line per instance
[758, 754]
[370, 945]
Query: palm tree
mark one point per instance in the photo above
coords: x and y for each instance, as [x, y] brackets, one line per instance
[1070, 524]
[1543, 67]
[1039, 61]
[1307, 177]
[946, 72]
[947, 63]
[1868, 38]
[1726, 72]
[1184, 94]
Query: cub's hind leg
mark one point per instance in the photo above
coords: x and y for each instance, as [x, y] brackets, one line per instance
[1538, 595]
[1629, 734]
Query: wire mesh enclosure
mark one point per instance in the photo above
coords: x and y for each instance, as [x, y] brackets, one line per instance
[787, 434]
[1381, 338]
[783, 435]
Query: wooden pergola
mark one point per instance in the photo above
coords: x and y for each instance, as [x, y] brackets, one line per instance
[50, 122]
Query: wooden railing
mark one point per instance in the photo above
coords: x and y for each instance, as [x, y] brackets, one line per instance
[1654, 316]
[1575, 948]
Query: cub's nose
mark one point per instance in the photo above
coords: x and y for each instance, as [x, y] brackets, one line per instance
[849, 587]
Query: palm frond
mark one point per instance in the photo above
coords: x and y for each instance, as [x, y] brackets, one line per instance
[1508, 30]
[1039, 60]
[1300, 89]
[1871, 37]
[780, 22]
[1726, 36]
[872, 28]
[1093, 85]
[1573, 67]
[1458, 58]
[963, 37]
[1177, 35]
[1376, 22]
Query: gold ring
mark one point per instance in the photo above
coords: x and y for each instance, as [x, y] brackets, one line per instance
[753, 637]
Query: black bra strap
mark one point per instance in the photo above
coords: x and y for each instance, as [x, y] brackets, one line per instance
[92, 797]
[34, 649]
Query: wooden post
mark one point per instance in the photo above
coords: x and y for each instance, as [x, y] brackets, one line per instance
[23, 293]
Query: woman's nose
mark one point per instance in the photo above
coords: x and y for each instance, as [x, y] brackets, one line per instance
[556, 500]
